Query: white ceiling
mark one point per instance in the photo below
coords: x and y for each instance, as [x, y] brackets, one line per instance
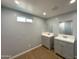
[37, 7]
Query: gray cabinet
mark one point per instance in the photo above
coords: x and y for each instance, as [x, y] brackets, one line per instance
[65, 49]
[47, 41]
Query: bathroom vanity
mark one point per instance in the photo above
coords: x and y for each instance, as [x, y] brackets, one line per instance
[64, 46]
[48, 40]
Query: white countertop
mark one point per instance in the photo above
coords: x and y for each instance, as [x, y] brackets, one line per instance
[66, 38]
[47, 34]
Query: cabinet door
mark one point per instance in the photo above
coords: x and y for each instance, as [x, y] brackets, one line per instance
[57, 47]
[68, 51]
[64, 49]
[46, 41]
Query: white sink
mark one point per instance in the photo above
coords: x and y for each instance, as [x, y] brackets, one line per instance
[66, 38]
[47, 34]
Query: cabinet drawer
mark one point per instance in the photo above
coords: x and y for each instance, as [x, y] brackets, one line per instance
[64, 49]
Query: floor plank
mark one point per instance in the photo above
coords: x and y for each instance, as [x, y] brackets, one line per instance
[39, 53]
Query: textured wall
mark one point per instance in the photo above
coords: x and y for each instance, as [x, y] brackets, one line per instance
[4, 58]
[17, 37]
[53, 23]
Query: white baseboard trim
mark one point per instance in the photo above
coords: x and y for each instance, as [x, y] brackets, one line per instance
[25, 52]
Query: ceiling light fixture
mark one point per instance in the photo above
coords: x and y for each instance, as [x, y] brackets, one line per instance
[44, 13]
[72, 1]
[17, 2]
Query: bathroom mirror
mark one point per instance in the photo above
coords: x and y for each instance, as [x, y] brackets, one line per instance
[65, 27]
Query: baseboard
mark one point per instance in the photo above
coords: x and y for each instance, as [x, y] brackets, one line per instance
[17, 55]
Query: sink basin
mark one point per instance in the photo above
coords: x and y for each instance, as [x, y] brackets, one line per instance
[66, 38]
[47, 34]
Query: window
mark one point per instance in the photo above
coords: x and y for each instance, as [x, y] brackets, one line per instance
[23, 19]
[29, 20]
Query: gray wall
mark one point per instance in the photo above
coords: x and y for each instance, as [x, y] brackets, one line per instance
[4, 58]
[17, 37]
[53, 23]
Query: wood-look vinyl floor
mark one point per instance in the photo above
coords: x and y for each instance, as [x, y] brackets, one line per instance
[39, 53]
